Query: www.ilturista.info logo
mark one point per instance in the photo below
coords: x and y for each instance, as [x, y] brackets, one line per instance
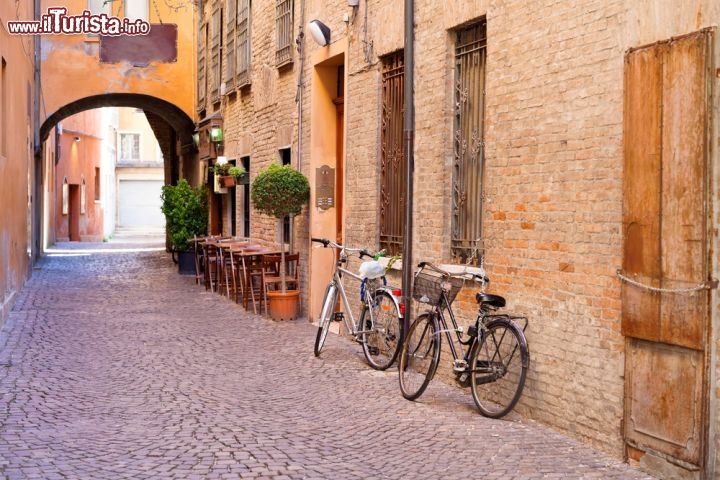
[57, 21]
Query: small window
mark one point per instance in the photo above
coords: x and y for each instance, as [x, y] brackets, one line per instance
[65, 197]
[83, 193]
[284, 30]
[129, 147]
[137, 10]
[97, 184]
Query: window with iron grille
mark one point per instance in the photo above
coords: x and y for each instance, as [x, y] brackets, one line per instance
[242, 47]
[284, 29]
[392, 154]
[216, 54]
[201, 68]
[469, 154]
[230, 44]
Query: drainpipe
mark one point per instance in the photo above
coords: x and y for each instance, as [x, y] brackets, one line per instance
[409, 138]
[38, 200]
[300, 42]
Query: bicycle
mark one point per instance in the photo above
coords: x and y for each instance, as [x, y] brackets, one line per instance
[495, 361]
[378, 327]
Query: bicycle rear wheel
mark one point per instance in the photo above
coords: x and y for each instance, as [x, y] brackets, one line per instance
[419, 356]
[500, 361]
[326, 316]
[381, 326]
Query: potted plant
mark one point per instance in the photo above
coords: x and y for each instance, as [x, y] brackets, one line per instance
[279, 191]
[227, 174]
[186, 216]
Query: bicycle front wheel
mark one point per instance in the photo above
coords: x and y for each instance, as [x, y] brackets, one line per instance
[499, 362]
[326, 316]
[380, 324]
[419, 356]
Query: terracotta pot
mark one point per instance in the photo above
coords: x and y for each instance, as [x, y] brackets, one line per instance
[283, 306]
[228, 181]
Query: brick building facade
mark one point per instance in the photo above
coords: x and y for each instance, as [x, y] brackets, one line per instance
[529, 153]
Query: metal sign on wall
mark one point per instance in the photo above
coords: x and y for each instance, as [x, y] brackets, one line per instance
[160, 45]
[325, 187]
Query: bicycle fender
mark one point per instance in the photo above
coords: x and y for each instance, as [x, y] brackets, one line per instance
[395, 300]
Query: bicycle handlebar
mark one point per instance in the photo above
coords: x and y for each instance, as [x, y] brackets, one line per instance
[473, 276]
[329, 243]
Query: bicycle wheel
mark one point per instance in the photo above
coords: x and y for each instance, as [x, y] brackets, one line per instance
[500, 359]
[419, 356]
[381, 326]
[326, 317]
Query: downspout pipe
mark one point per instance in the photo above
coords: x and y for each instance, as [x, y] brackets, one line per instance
[38, 197]
[409, 139]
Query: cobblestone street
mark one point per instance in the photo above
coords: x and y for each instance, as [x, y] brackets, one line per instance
[113, 366]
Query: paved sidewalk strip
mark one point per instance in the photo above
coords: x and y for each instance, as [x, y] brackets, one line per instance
[113, 366]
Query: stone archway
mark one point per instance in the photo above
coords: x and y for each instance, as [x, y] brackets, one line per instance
[171, 126]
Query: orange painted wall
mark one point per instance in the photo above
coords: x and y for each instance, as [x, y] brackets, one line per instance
[77, 164]
[16, 153]
[71, 69]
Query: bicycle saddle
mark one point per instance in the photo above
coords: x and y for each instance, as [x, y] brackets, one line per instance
[492, 300]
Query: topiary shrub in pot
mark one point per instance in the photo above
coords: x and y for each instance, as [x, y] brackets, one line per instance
[278, 191]
[186, 216]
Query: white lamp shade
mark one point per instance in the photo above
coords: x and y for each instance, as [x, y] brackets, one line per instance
[320, 32]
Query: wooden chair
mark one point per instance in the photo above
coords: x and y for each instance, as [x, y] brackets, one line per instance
[199, 259]
[271, 273]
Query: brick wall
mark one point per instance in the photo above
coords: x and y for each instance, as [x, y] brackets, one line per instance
[553, 182]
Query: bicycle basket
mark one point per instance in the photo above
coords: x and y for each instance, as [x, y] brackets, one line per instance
[428, 288]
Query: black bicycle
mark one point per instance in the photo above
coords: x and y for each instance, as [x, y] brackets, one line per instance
[495, 359]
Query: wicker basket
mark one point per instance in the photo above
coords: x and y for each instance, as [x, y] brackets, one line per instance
[428, 288]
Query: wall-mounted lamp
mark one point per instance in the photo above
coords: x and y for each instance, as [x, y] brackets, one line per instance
[196, 138]
[216, 136]
[77, 139]
[320, 32]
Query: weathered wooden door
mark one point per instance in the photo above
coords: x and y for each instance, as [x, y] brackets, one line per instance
[666, 262]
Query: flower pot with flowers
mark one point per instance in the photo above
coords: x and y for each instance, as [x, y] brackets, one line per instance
[227, 174]
[279, 191]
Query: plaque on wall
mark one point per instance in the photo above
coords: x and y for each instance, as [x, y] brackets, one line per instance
[325, 187]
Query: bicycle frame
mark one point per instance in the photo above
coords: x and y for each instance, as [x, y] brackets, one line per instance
[351, 323]
[438, 313]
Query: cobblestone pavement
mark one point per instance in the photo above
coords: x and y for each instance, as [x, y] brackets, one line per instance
[113, 366]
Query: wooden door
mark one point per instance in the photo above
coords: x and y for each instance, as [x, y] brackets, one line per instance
[74, 213]
[666, 261]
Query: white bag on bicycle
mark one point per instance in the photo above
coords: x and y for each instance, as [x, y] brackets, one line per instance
[371, 269]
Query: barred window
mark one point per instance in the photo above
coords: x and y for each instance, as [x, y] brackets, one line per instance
[284, 29]
[392, 155]
[243, 43]
[469, 144]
